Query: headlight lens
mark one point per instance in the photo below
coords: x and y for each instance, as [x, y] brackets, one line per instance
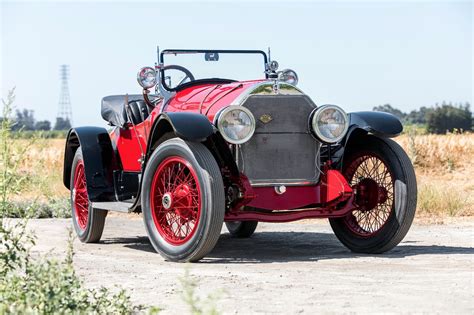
[146, 77]
[330, 123]
[236, 124]
[288, 76]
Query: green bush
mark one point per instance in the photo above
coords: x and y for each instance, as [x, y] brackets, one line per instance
[39, 285]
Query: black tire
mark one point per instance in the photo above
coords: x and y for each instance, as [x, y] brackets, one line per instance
[241, 229]
[401, 209]
[212, 208]
[92, 231]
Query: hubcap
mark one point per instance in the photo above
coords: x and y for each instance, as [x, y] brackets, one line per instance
[175, 200]
[167, 201]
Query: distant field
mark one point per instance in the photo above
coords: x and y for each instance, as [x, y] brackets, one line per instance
[443, 164]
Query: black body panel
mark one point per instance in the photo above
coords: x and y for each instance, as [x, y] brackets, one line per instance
[99, 161]
[187, 126]
[126, 184]
[378, 123]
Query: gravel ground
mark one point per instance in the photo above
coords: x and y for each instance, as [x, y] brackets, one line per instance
[285, 268]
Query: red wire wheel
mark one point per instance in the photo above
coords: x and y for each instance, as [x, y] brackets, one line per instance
[374, 184]
[80, 197]
[175, 200]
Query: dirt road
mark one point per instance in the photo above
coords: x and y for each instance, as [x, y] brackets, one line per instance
[285, 268]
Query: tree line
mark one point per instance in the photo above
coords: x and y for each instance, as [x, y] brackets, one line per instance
[25, 120]
[439, 119]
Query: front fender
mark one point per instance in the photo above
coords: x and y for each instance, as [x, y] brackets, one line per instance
[187, 126]
[99, 161]
[378, 123]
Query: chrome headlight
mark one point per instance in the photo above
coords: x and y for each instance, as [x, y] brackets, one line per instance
[146, 77]
[329, 123]
[236, 124]
[288, 76]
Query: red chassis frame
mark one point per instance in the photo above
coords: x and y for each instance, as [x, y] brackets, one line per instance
[331, 197]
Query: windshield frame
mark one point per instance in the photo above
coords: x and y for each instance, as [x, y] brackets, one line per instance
[204, 51]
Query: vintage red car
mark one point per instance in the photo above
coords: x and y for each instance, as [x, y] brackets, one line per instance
[209, 147]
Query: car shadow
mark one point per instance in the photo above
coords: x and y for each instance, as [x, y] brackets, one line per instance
[267, 247]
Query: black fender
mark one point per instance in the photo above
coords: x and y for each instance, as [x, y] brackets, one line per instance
[190, 127]
[381, 124]
[378, 123]
[187, 126]
[99, 161]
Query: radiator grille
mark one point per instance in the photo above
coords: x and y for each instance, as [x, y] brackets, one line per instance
[282, 150]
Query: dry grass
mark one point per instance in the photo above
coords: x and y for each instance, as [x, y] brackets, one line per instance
[444, 169]
[442, 162]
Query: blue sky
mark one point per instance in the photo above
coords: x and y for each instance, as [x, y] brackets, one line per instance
[354, 54]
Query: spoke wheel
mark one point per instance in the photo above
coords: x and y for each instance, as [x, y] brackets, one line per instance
[384, 182]
[176, 200]
[87, 221]
[182, 199]
[374, 185]
[80, 197]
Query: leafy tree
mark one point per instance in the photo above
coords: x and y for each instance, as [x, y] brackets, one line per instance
[44, 125]
[448, 117]
[24, 120]
[62, 124]
[418, 116]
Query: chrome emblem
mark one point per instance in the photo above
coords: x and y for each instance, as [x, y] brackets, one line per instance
[265, 118]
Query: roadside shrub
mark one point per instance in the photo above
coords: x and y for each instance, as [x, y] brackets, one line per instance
[439, 201]
[38, 285]
[51, 208]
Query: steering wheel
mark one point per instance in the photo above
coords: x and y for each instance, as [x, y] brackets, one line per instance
[187, 74]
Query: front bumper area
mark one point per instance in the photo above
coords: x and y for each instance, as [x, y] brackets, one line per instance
[331, 197]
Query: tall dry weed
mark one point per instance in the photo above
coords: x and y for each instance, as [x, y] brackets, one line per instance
[439, 153]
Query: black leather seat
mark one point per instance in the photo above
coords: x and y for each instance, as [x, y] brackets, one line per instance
[113, 110]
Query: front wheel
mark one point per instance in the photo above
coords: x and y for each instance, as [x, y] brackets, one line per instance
[183, 200]
[384, 180]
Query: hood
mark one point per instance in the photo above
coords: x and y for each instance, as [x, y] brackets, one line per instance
[209, 99]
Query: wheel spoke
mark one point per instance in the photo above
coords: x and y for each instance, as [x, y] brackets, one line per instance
[176, 179]
[369, 167]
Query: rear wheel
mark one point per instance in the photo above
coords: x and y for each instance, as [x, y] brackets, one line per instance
[241, 229]
[183, 200]
[88, 222]
[385, 182]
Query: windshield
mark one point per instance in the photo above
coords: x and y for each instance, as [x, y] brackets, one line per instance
[181, 67]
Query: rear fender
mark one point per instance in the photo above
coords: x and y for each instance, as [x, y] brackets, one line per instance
[99, 161]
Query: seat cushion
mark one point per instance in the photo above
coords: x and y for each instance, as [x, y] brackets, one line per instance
[113, 109]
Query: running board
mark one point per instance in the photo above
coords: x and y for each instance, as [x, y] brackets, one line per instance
[119, 206]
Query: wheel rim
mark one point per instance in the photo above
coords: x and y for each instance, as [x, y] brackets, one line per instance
[80, 196]
[175, 200]
[374, 185]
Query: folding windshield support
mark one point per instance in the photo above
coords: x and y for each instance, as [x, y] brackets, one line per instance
[203, 51]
